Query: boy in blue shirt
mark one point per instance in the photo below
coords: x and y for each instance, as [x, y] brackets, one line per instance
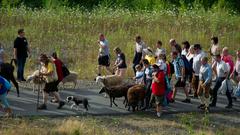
[4, 88]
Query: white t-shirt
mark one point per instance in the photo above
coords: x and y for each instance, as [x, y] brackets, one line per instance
[104, 51]
[197, 62]
[215, 49]
[222, 68]
[184, 52]
[140, 46]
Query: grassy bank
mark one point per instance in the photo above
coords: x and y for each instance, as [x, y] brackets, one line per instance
[140, 124]
[73, 32]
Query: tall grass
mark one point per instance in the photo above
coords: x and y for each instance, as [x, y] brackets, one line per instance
[73, 32]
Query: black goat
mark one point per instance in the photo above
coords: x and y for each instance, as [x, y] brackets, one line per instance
[116, 92]
[6, 71]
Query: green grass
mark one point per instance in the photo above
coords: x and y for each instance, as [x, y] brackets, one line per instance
[73, 33]
[137, 124]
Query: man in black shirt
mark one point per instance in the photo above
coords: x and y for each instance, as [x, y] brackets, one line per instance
[21, 51]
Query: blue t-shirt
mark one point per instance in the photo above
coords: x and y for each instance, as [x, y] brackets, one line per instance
[5, 85]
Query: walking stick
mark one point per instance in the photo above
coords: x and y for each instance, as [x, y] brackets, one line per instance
[38, 88]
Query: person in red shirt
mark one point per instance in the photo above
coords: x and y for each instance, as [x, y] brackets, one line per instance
[158, 88]
[58, 63]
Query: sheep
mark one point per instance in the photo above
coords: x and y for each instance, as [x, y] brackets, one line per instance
[72, 77]
[109, 80]
[116, 92]
[135, 94]
[36, 79]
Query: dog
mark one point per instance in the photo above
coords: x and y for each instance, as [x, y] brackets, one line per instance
[77, 101]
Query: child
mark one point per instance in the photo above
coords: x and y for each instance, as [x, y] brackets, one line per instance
[158, 88]
[139, 74]
[4, 88]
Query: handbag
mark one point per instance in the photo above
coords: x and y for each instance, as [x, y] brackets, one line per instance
[65, 71]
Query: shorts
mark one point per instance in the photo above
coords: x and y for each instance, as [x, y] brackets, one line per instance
[204, 89]
[3, 100]
[195, 82]
[179, 83]
[104, 61]
[158, 99]
[51, 87]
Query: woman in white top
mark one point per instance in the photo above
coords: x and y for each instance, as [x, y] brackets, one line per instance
[186, 47]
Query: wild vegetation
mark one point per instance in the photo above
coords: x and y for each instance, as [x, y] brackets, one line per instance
[73, 31]
[138, 124]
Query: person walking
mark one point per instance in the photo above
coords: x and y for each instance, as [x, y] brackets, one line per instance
[21, 51]
[4, 88]
[222, 74]
[147, 79]
[214, 50]
[180, 75]
[120, 63]
[103, 55]
[58, 64]
[227, 58]
[158, 88]
[199, 54]
[205, 78]
[48, 71]
[139, 54]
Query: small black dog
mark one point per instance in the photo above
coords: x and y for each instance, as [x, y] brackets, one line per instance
[76, 101]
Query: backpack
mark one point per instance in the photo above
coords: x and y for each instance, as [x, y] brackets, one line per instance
[170, 68]
[187, 65]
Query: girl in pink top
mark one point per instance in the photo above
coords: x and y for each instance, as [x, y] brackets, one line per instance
[227, 58]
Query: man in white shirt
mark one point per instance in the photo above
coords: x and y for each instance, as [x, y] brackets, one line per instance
[199, 54]
[222, 74]
[139, 53]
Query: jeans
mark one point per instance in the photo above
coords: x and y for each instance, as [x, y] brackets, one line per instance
[218, 84]
[3, 99]
[148, 93]
[21, 64]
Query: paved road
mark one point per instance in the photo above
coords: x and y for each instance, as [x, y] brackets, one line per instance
[26, 104]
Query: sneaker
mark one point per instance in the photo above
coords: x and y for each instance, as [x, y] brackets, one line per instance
[42, 107]
[212, 105]
[186, 101]
[61, 104]
[229, 106]
[201, 106]
[159, 114]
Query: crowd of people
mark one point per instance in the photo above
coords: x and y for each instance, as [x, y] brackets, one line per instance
[190, 64]
[194, 70]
